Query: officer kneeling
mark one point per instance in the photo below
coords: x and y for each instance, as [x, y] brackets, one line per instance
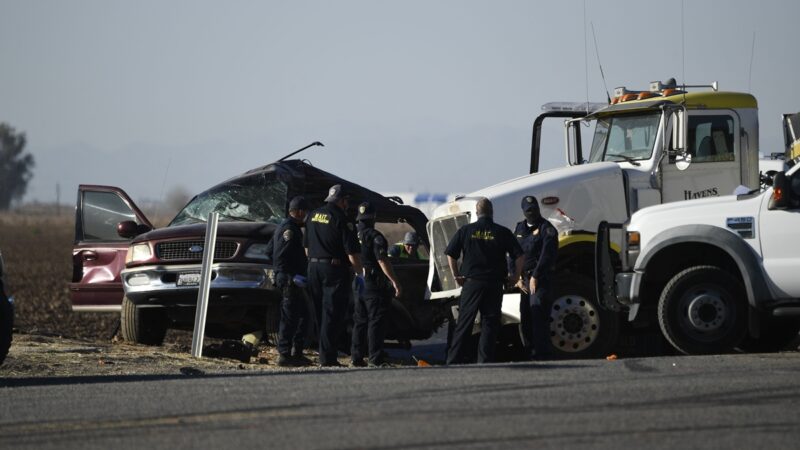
[484, 246]
[380, 283]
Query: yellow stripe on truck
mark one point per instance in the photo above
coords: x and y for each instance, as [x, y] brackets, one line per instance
[570, 239]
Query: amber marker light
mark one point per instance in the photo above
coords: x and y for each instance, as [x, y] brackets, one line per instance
[633, 239]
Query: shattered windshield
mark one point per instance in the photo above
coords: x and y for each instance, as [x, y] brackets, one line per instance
[253, 199]
[624, 138]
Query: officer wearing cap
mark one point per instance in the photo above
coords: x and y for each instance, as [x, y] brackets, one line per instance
[380, 283]
[290, 265]
[539, 241]
[408, 248]
[483, 246]
[333, 254]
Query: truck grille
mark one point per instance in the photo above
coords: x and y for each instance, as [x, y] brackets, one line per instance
[440, 232]
[175, 250]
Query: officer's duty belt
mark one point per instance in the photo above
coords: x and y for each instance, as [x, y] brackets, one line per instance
[331, 261]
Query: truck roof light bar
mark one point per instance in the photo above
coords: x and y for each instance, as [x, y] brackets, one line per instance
[589, 107]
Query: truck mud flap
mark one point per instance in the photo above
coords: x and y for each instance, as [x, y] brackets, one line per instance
[604, 269]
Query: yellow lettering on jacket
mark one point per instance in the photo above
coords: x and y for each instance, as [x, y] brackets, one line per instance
[483, 235]
[321, 218]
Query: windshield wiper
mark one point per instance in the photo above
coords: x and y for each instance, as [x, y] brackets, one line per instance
[628, 159]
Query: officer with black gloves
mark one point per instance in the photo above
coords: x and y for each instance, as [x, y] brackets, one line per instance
[484, 246]
[290, 265]
[333, 255]
[539, 241]
[380, 283]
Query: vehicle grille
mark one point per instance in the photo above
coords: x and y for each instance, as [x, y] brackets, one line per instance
[175, 250]
[440, 232]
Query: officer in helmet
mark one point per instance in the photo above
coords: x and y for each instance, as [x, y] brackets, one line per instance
[380, 283]
[408, 248]
[290, 265]
[539, 241]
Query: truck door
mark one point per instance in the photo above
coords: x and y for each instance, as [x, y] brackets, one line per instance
[98, 253]
[778, 231]
[713, 142]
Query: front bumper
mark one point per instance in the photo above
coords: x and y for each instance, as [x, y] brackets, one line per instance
[233, 283]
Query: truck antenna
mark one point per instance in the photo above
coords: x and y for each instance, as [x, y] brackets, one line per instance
[597, 53]
[315, 143]
[752, 53]
[585, 57]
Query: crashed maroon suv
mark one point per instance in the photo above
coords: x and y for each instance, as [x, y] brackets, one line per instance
[120, 263]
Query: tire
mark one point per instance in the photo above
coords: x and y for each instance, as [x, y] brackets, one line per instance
[273, 322]
[702, 310]
[509, 344]
[146, 326]
[6, 325]
[776, 335]
[579, 326]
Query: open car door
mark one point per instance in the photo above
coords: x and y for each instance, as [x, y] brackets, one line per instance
[98, 252]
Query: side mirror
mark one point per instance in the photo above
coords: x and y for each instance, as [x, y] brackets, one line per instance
[679, 130]
[780, 192]
[130, 229]
[682, 159]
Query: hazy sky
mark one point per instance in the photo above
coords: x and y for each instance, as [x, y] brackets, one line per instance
[411, 95]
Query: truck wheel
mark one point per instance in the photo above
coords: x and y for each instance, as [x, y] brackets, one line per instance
[273, 321]
[142, 325]
[579, 327]
[6, 325]
[702, 310]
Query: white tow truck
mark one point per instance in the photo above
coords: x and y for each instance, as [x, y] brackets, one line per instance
[638, 157]
[718, 272]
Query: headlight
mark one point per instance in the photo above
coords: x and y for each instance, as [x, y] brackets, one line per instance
[257, 251]
[138, 252]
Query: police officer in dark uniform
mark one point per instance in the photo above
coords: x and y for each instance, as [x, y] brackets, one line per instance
[539, 241]
[290, 264]
[380, 283]
[333, 255]
[484, 246]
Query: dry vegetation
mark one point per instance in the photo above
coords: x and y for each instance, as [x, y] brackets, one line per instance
[37, 249]
[52, 340]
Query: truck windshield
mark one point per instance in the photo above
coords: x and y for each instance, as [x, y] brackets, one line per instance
[621, 138]
[254, 199]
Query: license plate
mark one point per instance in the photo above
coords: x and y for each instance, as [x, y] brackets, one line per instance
[189, 279]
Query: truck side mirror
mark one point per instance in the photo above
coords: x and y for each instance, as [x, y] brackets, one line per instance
[780, 192]
[682, 158]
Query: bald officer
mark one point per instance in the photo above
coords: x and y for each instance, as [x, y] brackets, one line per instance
[483, 246]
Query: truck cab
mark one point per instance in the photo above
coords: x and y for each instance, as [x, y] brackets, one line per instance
[637, 156]
[715, 273]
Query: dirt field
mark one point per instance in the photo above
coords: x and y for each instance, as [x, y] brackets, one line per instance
[51, 340]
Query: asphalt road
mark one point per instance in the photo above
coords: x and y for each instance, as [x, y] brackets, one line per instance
[734, 401]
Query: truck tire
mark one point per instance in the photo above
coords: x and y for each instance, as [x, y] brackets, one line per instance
[273, 322]
[702, 310]
[579, 326]
[146, 326]
[6, 325]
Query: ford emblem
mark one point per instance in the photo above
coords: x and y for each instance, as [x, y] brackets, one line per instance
[196, 248]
